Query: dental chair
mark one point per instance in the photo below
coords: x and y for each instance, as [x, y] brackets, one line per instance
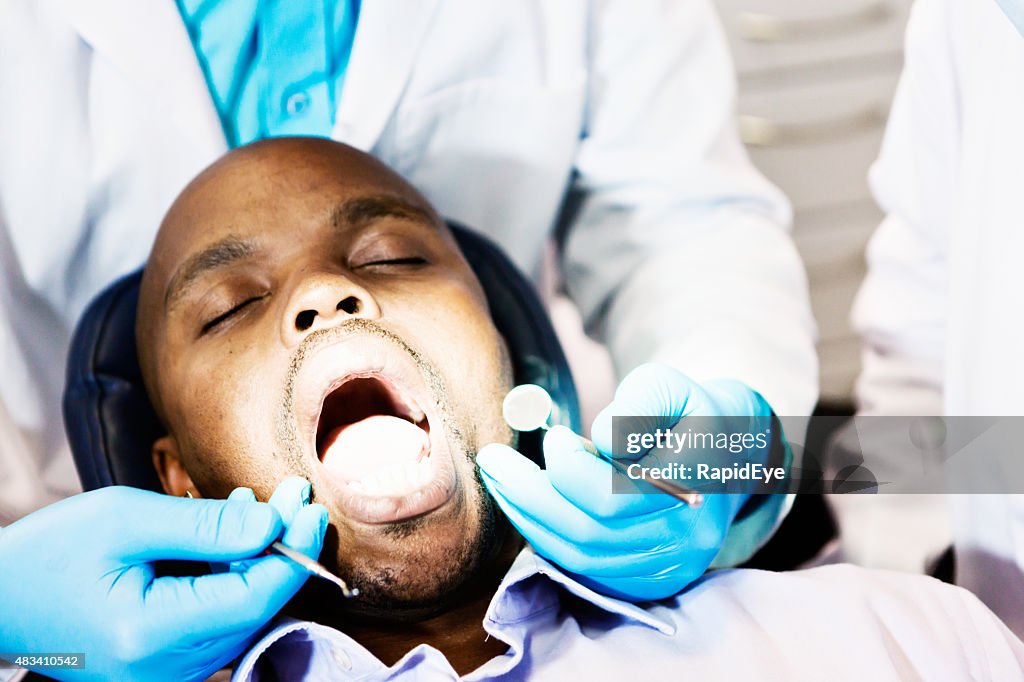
[111, 424]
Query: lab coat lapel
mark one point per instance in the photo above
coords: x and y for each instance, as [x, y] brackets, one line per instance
[388, 38]
[148, 41]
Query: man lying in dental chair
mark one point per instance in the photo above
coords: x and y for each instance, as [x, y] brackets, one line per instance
[305, 313]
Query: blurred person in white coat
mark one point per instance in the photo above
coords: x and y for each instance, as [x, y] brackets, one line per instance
[940, 309]
[611, 119]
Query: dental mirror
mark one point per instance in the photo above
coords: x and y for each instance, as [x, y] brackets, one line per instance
[527, 408]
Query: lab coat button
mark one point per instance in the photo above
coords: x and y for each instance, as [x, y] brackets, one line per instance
[296, 104]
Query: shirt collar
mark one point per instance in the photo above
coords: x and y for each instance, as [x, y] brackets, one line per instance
[525, 593]
[522, 594]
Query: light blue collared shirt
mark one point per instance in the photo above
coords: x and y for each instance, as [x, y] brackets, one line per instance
[1014, 10]
[274, 67]
[835, 622]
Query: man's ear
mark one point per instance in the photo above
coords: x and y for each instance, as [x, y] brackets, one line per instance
[173, 476]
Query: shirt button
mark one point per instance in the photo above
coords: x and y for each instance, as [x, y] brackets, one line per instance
[297, 104]
[340, 657]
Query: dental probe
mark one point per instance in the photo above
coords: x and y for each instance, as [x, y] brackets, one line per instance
[528, 407]
[314, 567]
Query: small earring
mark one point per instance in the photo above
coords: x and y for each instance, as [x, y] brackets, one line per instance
[188, 494]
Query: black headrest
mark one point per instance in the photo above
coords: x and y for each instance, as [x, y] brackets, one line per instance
[112, 426]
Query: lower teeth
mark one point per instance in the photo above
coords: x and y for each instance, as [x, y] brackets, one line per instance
[394, 480]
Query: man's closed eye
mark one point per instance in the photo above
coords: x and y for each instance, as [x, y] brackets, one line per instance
[228, 314]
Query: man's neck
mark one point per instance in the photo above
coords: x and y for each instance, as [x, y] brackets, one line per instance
[458, 632]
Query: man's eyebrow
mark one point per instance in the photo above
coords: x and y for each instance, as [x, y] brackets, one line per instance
[359, 211]
[221, 254]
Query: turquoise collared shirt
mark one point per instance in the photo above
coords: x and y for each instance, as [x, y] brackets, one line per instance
[274, 67]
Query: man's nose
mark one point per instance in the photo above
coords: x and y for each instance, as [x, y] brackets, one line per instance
[324, 300]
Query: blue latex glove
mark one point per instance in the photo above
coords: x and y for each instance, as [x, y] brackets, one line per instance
[631, 546]
[78, 577]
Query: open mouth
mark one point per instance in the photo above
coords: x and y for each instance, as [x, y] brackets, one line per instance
[374, 440]
[359, 397]
[380, 434]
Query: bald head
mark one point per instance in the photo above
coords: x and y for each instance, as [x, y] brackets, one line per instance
[250, 187]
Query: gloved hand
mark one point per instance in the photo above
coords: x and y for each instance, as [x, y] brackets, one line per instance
[631, 546]
[78, 577]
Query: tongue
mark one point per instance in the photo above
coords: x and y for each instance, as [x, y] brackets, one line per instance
[357, 451]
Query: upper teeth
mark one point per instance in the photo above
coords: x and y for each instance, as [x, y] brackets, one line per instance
[415, 413]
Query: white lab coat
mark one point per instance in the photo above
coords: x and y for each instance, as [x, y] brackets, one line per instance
[940, 310]
[679, 250]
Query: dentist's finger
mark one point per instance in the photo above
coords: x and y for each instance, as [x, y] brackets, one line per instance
[291, 495]
[592, 485]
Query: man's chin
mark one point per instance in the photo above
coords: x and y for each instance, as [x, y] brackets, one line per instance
[415, 568]
[404, 591]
